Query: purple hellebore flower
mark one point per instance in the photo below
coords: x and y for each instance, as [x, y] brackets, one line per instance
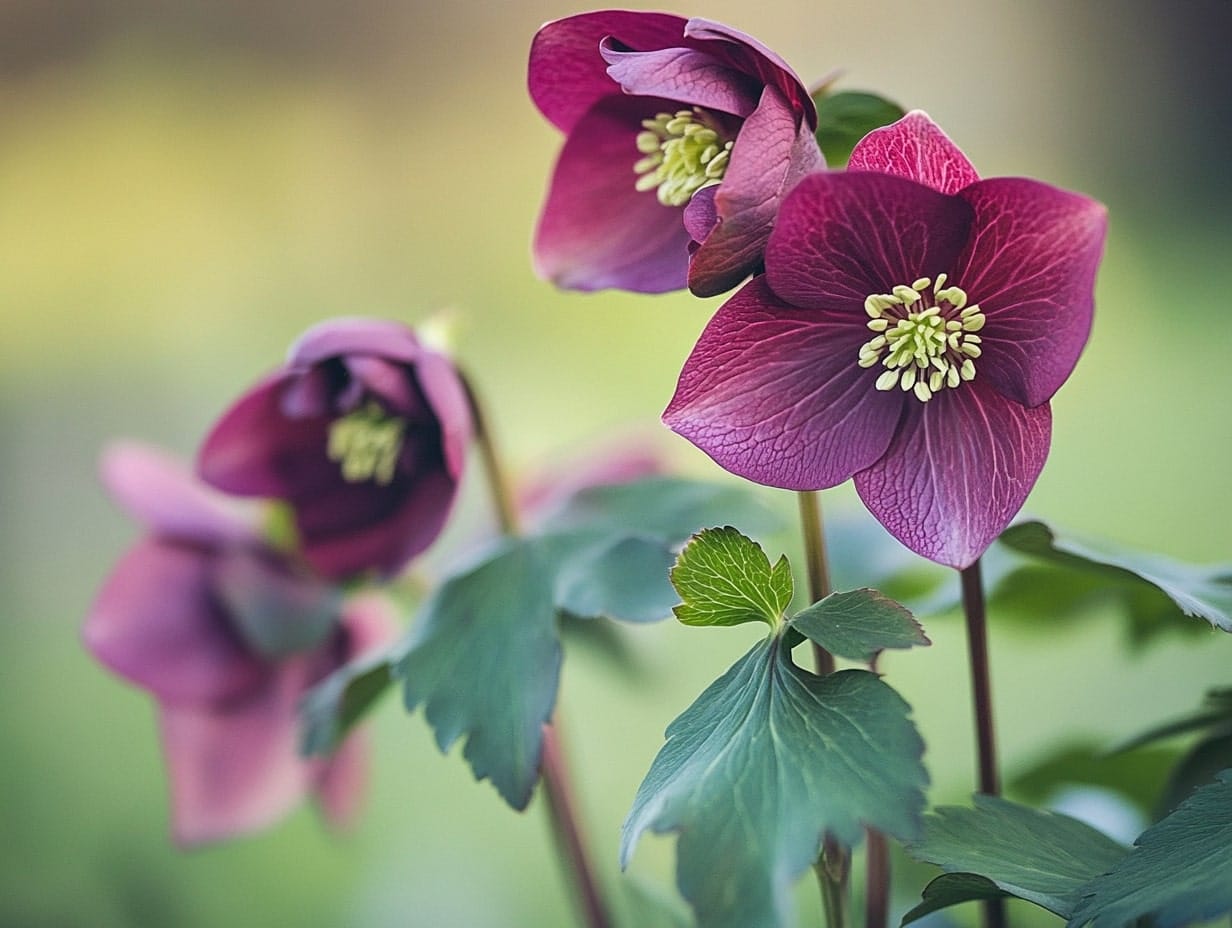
[227, 635]
[679, 132]
[857, 353]
[363, 431]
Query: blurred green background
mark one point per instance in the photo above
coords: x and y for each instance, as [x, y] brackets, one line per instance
[185, 186]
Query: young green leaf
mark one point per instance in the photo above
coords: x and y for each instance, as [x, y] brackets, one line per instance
[845, 117]
[725, 578]
[1043, 857]
[768, 760]
[1205, 592]
[1180, 870]
[859, 625]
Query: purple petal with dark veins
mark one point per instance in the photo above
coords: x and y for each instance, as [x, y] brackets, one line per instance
[773, 151]
[774, 394]
[958, 471]
[596, 230]
[840, 237]
[566, 74]
[156, 622]
[701, 214]
[255, 450]
[159, 491]
[682, 74]
[235, 768]
[1031, 266]
[917, 149]
[749, 55]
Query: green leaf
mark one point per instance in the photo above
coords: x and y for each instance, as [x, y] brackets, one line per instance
[725, 578]
[667, 508]
[485, 663]
[484, 660]
[1043, 857]
[1205, 592]
[951, 889]
[1201, 764]
[1180, 871]
[1136, 775]
[337, 703]
[859, 625]
[768, 760]
[1215, 714]
[846, 117]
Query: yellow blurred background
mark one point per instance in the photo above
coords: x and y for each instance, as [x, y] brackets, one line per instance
[185, 186]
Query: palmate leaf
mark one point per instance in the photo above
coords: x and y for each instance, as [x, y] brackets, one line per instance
[484, 660]
[1205, 592]
[859, 625]
[1000, 847]
[767, 761]
[1180, 870]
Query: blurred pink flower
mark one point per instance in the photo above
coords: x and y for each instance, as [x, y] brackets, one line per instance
[227, 635]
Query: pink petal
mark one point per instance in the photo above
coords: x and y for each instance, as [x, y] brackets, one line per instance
[775, 394]
[236, 768]
[156, 623]
[341, 779]
[841, 237]
[596, 230]
[1031, 267]
[161, 492]
[370, 622]
[957, 472]
[566, 75]
[750, 56]
[445, 391]
[773, 151]
[917, 149]
[355, 335]
[682, 74]
[255, 450]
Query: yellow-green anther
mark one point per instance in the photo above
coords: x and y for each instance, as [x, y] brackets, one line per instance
[924, 337]
[366, 443]
[683, 153]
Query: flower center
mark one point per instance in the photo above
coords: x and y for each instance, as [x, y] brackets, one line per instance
[681, 154]
[925, 337]
[366, 443]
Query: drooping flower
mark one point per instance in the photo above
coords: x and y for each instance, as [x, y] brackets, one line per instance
[682, 136]
[363, 431]
[911, 327]
[227, 635]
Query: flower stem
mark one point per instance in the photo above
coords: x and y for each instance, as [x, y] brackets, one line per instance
[834, 864]
[981, 695]
[877, 880]
[570, 846]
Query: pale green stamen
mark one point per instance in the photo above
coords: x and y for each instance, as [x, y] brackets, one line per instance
[681, 154]
[367, 443]
[925, 340]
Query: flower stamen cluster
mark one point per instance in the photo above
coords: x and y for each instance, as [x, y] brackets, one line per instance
[367, 443]
[925, 344]
[682, 153]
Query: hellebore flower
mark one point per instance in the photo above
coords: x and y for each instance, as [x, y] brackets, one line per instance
[912, 324]
[678, 132]
[363, 432]
[227, 635]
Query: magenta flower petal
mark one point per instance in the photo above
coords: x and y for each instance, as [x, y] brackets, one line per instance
[236, 768]
[566, 75]
[340, 780]
[346, 336]
[773, 151]
[957, 472]
[159, 491]
[683, 74]
[841, 237]
[256, 450]
[156, 623]
[1031, 266]
[596, 229]
[772, 393]
[914, 147]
